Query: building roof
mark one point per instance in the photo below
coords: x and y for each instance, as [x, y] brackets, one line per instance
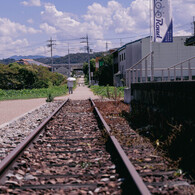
[124, 46]
[31, 61]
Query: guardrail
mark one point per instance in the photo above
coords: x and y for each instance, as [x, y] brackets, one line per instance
[140, 73]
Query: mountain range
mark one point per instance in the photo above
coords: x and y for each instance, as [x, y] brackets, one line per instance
[74, 58]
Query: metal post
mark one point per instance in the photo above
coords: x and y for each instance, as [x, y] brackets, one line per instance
[68, 60]
[174, 74]
[162, 79]
[152, 66]
[169, 74]
[130, 78]
[189, 71]
[181, 72]
[133, 75]
[51, 43]
[136, 74]
[146, 70]
[141, 72]
[88, 60]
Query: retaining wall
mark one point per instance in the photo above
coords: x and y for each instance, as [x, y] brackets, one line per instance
[166, 112]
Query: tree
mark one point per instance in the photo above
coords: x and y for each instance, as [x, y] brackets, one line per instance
[105, 72]
[16, 76]
[86, 69]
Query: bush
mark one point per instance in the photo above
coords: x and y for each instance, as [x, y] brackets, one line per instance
[16, 76]
[50, 98]
[108, 91]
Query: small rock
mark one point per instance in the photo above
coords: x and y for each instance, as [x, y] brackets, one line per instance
[15, 183]
[21, 172]
[105, 179]
[97, 190]
[19, 177]
[29, 177]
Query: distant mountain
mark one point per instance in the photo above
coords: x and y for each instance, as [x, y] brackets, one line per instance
[7, 61]
[26, 57]
[74, 58]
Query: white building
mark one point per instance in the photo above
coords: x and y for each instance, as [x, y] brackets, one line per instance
[164, 56]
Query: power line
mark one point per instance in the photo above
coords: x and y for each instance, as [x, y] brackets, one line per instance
[87, 41]
[51, 44]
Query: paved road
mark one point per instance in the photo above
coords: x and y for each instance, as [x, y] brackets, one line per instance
[13, 109]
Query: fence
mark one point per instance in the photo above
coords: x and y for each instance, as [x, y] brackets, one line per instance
[140, 73]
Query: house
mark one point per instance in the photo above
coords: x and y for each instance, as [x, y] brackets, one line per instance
[31, 62]
[164, 55]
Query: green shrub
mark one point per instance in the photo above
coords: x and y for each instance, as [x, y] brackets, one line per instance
[16, 76]
[50, 98]
[108, 91]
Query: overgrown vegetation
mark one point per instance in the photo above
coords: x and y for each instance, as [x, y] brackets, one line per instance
[104, 74]
[16, 76]
[173, 135]
[50, 98]
[106, 71]
[108, 91]
[33, 93]
[86, 69]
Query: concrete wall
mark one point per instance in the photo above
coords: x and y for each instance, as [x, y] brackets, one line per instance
[166, 112]
[168, 54]
[175, 99]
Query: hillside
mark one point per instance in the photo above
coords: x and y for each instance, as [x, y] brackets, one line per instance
[74, 58]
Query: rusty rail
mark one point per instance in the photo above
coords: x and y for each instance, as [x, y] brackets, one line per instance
[10, 159]
[131, 173]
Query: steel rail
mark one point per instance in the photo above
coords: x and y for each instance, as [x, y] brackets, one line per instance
[12, 156]
[132, 174]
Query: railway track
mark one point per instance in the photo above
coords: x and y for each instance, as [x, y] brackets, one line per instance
[67, 154]
[158, 173]
[76, 152]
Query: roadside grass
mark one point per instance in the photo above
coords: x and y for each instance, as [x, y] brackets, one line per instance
[108, 91]
[33, 93]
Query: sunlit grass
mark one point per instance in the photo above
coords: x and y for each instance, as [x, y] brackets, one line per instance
[33, 93]
[103, 90]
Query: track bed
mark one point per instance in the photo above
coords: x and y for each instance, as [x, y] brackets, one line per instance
[68, 157]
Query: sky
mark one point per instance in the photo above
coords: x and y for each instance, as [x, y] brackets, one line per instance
[27, 25]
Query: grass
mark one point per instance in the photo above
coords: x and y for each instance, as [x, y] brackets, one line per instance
[33, 93]
[106, 91]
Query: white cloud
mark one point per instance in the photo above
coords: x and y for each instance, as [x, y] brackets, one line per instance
[31, 3]
[12, 46]
[30, 21]
[111, 20]
[12, 29]
[48, 29]
[12, 37]
[182, 33]
[65, 24]
[183, 12]
[113, 17]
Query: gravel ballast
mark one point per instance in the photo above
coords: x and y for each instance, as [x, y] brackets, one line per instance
[13, 133]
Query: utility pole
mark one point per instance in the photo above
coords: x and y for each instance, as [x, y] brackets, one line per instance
[87, 41]
[194, 24]
[68, 60]
[121, 43]
[106, 46]
[51, 43]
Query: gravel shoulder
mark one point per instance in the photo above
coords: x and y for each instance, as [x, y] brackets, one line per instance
[14, 132]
